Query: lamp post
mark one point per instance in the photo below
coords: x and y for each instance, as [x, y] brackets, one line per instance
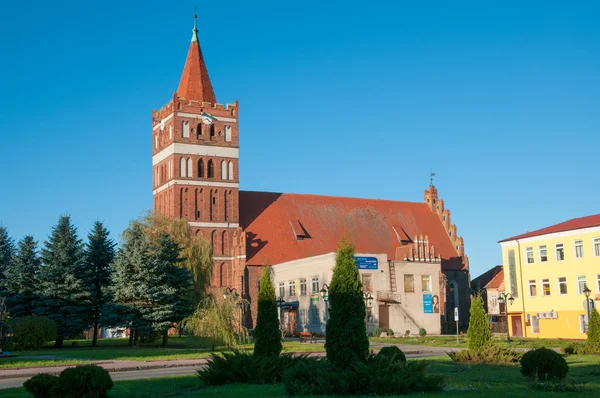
[279, 303]
[324, 290]
[368, 302]
[504, 297]
[231, 291]
[587, 291]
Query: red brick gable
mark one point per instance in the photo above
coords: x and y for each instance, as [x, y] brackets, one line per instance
[268, 220]
[575, 223]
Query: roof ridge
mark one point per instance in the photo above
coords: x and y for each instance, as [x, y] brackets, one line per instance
[334, 196]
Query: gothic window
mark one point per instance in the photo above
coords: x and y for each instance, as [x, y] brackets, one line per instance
[188, 170]
[210, 205]
[223, 170]
[224, 275]
[200, 168]
[181, 203]
[196, 204]
[181, 167]
[170, 169]
[213, 241]
[224, 243]
[212, 131]
[199, 130]
[230, 173]
[211, 169]
[227, 133]
[185, 129]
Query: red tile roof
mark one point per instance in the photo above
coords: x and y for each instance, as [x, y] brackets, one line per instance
[496, 280]
[368, 223]
[195, 83]
[575, 223]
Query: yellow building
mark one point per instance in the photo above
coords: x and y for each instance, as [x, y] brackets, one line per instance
[546, 272]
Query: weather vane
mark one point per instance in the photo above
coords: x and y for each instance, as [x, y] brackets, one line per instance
[195, 9]
[431, 175]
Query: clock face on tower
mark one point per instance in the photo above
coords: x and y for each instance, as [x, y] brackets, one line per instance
[206, 118]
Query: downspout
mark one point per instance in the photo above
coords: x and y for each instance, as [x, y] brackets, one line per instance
[522, 290]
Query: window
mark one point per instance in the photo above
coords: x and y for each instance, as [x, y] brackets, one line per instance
[529, 255]
[598, 283]
[188, 169]
[282, 289]
[583, 323]
[578, 249]
[560, 252]
[315, 285]
[223, 170]
[303, 287]
[212, 131]
[597, 247]
[532, 288]
[543, 254]
[227, 133]
[200, 168]
[494, 299]
[156, 141]
[366, 282]
[562, 285]
[581, 282]
[315, 317]
[409, 283]
[211, 169]
[546, 287]
[426, 283]
[230, 167]
[535, 324]
[185, 129]
[181, 167]
[199, 130]
[292, 288]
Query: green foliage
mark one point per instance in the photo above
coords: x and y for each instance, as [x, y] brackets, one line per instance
[390, 332]
[346, 337]
[593, 332]
[99, 254]
[31, 332]
[422, 332]
[20, 281]
[479, 333]
[42, 385]
[489, 354]
[391, 354]
[543, 364]
[242, 367]
[267, 335]
[85, 381]
[376, 332]
[64, 295]
[582, 348]
[407, 333]
[371, 377]
[7, 250]
[557, 386]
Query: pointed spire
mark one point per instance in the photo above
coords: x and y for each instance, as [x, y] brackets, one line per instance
[195, 83]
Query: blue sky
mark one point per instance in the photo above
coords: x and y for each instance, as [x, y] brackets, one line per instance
[336, 98]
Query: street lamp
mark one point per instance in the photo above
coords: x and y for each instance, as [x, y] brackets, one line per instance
[587, 291]
[368, 301]
[231, 291]
[324, 290]
[279, 302]
[502, 300]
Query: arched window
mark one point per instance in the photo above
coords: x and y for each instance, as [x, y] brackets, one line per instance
[181, 203]
[196, 203]
[224, 275]
[212, 131]
[211, 169]
[210, 205]
[199, 130]
[200, 168]
[230, 172]
[188, 170]
[213, 241]
[225, 204]
[224, 243]
[227, 133]
[223, 170]
[181, 167]
[170, 175]
[185, 129]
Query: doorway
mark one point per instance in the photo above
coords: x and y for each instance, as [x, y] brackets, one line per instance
[384, 317]
[517, 326]
[292, 322]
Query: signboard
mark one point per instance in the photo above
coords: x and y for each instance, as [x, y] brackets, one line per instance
[589, 302]
[428, 304]
[366, 262]
[456, 314]
[314, 298]
[325, 298]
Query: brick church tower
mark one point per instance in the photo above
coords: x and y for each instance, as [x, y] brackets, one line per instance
[195, 152]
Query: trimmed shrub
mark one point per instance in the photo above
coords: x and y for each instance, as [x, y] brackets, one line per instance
[376, 332]
[390, 332]
[391, 354]
[267, 335]
[543, 364]
[41, 386]
[406, 333]
[593, 333]
[490, 354]
[422, 332]
[86, 381]
[31, 332]
[479, 333]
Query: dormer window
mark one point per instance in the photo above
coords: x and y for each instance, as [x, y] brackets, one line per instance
[298, 230]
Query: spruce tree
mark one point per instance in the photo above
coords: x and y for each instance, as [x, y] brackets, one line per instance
[346, 339]
[593, 332]
[21, 279]
[64, 297]
[479, 333]
[7, 250]
[99, 254]
[267, 336]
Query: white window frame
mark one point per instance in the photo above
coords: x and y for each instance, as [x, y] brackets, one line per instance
[537, 322]
[582, 324]
[545, 247]
[529, 284]
[301, 284]
[528, 251]
[312, 285]
[598, 283]
[281, 286]
[549, 288]
[562, 246]
[580, 245]
[429, 285]
[292, 284]
[558, 283]
[596, 241]
[580, 288]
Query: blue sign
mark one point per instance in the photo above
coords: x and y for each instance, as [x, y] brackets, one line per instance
[366, 262]
[428, 304]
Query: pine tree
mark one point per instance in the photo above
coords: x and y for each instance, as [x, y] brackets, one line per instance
[99, 254]
[7, 250]
[64, 297]
[21, 279]
[479, 333]
[593, 332]
[346, 339]
[267, 336]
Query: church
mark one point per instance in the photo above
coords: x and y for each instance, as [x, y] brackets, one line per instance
[410, 256]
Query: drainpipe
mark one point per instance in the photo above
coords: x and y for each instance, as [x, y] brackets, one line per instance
[522, 291]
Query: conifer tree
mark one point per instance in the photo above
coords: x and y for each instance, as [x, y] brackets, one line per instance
[99, 254]
[346, 339]
[593, 332]
[479, 333]
[267, 336]
[64, 297]
[21, 279]
[7, 250]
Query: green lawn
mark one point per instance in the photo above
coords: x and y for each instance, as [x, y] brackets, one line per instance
[475, 380]
[450, 341]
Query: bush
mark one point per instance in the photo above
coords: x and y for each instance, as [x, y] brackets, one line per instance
[390, 332]
[586, 348]
[41, 386]
[543, 364]
[593, 333]
[422, 332]
[406, 333]
[377, 332]
[479, 333]
[391, 354]
[86, 381]
[31, 332]
[490, 354]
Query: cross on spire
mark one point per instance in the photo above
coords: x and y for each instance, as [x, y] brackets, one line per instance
[431, 175]
[195, 30]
